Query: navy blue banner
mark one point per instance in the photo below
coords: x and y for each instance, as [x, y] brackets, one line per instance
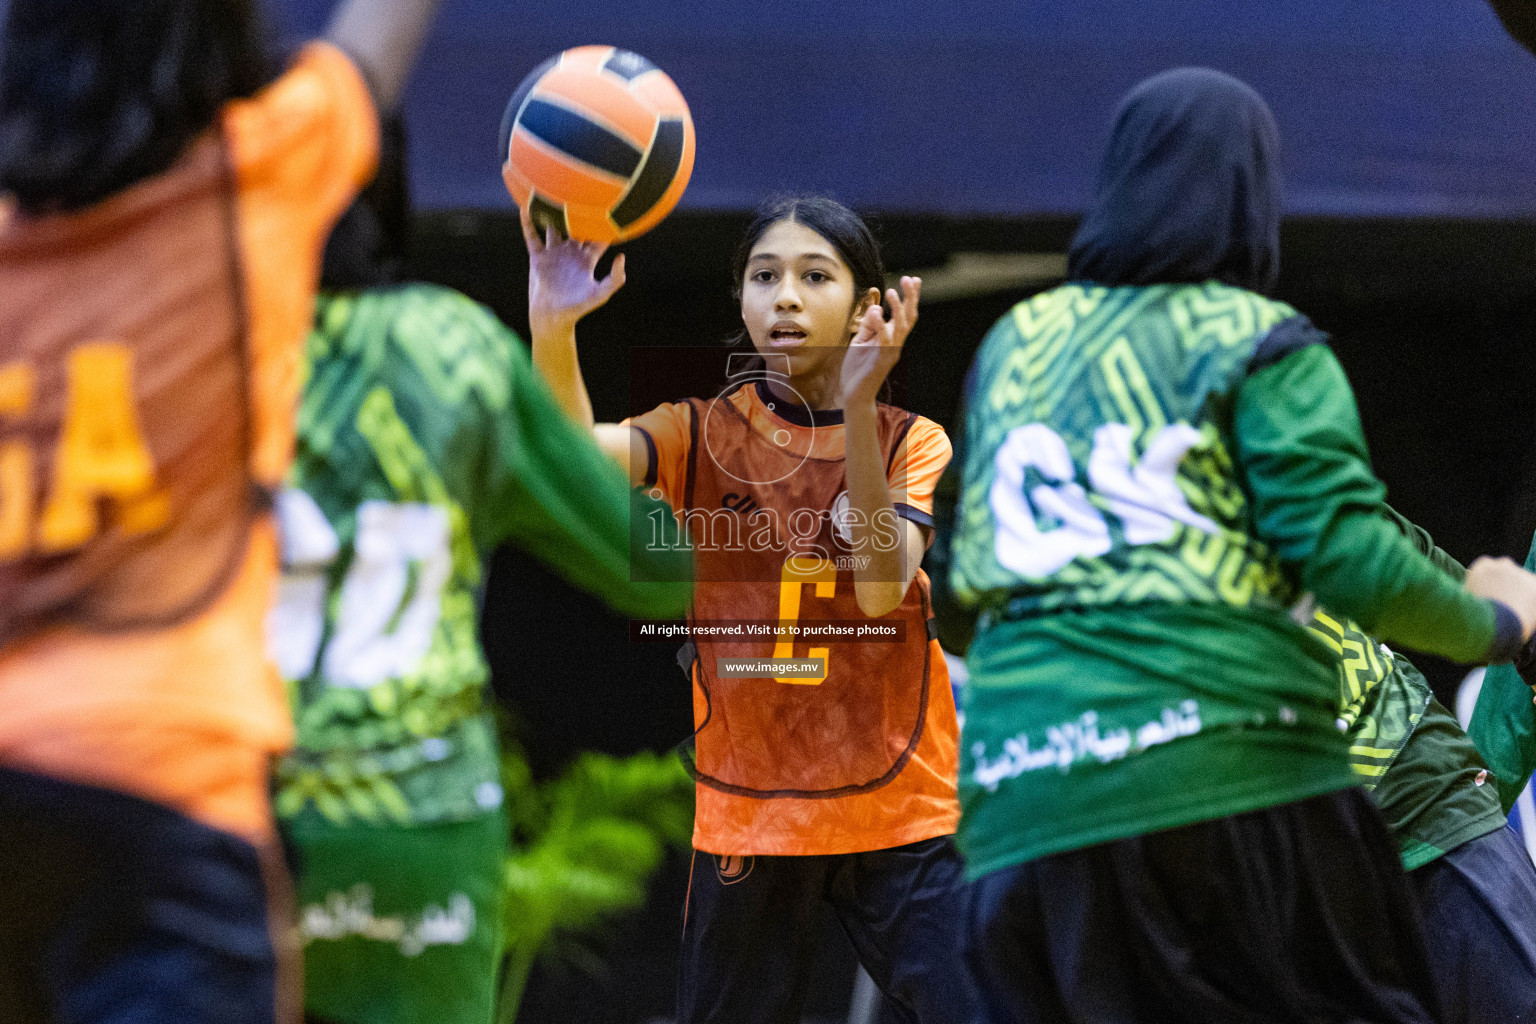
[1386, 107]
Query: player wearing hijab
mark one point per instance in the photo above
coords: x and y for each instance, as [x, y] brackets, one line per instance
[1159, 461]
[809, 505]
[164, 205]
[1475, 883]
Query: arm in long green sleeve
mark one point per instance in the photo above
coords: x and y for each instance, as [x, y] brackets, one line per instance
[550, 490]
[1319, 506]
[1503, 726]
[1424, 544]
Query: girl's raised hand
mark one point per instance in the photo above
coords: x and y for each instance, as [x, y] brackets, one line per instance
[561, 286]
[876, 346]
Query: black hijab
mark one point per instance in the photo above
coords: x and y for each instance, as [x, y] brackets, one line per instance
[1188, 190]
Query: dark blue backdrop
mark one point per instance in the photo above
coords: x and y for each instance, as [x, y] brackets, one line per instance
[1386, 107]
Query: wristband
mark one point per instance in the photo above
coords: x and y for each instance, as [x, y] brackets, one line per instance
[1525, 661]
[1507, 644]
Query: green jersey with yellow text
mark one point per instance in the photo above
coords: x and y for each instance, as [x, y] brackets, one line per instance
[1428, 779]
[425, 439]
[1153, 475]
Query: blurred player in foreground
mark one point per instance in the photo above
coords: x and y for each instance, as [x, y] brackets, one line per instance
[1504, 728]
[425, 440]
[165, 205]
[1475, 884]
[1158, 805]
[808, 502]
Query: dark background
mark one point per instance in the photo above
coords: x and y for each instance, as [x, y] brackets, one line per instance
[1434, 320]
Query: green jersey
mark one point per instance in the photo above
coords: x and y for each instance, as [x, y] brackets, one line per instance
[1152, 476]
[1504, 723]
[426, 439]
[1426, 776]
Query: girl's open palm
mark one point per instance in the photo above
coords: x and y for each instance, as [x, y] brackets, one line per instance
[561, 285]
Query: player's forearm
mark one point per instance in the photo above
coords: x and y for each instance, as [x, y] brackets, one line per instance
[1365, 569]
[384, 38]
[1321, 509]
[554, 355]
[1425, 544]
[881, 583]
[559, 496]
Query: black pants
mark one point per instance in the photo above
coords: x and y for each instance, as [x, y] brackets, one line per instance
[115, 910]
[749, 933]
[1296, 914]
[1479, 904]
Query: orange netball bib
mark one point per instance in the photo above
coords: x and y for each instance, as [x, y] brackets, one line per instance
[125, 490]
[773, 556]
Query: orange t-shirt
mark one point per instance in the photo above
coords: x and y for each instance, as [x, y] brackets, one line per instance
[187, 715]
[920, 802]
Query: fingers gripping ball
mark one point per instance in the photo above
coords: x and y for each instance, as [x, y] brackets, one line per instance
[597, 142]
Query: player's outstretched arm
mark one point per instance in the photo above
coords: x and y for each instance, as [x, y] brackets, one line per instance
[546, 487]
[562, 290]
[1318, 505]
[1425, 544]
[895, 545]
[383, 37]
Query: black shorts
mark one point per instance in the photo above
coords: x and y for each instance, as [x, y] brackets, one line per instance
[1295, 914]
[116, 909]
[749, 933]
[1479, 904]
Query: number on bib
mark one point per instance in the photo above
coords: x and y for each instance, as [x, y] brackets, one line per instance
[1021, 545]
[1145, 497]
[390, 601]
[797, 572]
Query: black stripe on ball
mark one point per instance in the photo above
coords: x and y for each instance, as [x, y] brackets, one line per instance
[576, 137]
[656, 176]
[545, 214]
[515, 104]
[628, 66]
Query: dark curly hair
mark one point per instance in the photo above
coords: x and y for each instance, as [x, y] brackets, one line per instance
[96, 95]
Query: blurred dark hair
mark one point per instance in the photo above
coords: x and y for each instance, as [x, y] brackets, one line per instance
[830, 219]
[369, 244]
[96, 95]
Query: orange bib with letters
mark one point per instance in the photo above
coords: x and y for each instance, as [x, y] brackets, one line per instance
[126, 496]
[773, 550]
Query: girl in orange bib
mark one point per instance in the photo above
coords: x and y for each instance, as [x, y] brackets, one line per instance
[825, 726]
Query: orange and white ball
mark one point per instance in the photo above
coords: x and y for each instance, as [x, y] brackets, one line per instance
[598, 143]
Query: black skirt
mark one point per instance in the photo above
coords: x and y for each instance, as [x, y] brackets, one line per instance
[1296, 913]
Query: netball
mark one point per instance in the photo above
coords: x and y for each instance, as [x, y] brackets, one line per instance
[598, 143]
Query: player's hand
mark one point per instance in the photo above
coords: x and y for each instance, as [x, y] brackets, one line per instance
[1502, 580]
[876, 346]
[561, 285]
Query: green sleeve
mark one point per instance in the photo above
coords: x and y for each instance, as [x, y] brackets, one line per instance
[1503, 726]
[1424, 544]
[548, 488]
[1319, 506]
